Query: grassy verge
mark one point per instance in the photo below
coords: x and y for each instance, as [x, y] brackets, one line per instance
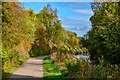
[51, 70]
[6, 73]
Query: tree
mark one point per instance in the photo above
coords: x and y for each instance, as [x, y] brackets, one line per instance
[17, 32]
[104, 37]
[49, 32]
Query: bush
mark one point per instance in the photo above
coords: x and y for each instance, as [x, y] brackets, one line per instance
[53, 56]
[9, 58]
[80, 68]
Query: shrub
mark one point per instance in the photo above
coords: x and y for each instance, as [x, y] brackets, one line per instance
[80, 68]
[53, 56]
[9, 58]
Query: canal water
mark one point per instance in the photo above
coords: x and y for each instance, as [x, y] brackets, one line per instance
[82, 57]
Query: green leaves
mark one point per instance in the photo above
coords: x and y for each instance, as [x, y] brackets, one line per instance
[104, 36]
[17, 33]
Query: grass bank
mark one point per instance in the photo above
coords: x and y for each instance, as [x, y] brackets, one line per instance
[52, 70]
[7, 72]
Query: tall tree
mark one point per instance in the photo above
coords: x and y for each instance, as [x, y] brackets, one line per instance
[49, 32]
[104, 37]
[17, 32]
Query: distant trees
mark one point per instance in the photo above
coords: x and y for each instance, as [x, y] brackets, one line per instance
[104, 38]
[73, 39]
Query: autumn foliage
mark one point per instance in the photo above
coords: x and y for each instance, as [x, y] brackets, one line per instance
[25, 33]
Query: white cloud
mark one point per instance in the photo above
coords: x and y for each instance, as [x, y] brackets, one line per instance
[78, 28]
[66, 26]
[83, 11]
[60, 18]
[81, 19]
[85, 27]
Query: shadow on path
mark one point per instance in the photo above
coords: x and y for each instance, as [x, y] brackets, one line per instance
[30, 70]
[25, 77]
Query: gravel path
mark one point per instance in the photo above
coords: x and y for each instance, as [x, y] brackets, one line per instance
[33, 68]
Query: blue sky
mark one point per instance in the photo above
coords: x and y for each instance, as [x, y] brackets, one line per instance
[74, 16]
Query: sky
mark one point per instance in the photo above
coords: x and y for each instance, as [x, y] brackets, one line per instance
[74, 16]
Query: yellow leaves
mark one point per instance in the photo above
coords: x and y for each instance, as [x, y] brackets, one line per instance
[44, 28]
